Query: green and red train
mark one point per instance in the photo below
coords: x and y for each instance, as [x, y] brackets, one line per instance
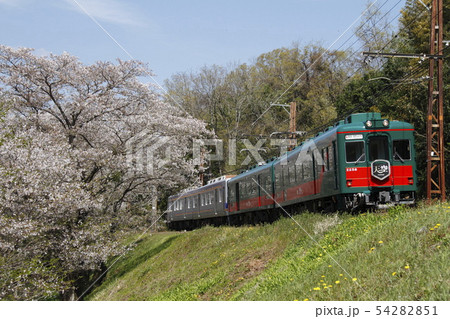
[362, 162]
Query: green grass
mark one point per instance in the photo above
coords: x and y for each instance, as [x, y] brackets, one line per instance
[401, 254]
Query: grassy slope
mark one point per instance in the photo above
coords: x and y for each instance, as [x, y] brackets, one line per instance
[399, 255]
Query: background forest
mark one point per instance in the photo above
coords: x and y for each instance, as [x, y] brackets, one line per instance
[67, 196]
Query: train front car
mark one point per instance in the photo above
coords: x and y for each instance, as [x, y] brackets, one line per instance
[377, 160]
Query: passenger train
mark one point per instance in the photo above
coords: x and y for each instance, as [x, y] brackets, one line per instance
[361, 162]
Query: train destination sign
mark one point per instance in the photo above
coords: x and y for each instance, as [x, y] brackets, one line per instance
[354, 137]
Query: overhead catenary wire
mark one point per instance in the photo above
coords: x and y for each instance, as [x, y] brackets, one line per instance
[314, 62]
[410, 75]
[348, 48]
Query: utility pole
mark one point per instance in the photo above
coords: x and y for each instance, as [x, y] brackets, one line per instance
[292, 124]
[435, 118]
[435, 110]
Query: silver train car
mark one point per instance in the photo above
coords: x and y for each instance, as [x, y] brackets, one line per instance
[199, 206]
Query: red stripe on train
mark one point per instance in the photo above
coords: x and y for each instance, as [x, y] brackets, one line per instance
[380, 130]
[361, 176]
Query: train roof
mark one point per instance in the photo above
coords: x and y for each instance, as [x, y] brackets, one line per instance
[362, 122]
[211, 184]
[254, 169]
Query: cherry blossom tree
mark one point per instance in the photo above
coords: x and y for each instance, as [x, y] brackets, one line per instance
[81, 147]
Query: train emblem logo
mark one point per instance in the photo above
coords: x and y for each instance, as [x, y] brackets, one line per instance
[381, 169]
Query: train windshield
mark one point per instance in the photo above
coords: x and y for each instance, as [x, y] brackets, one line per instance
[354, 152]
[378, 148]
[402, 150]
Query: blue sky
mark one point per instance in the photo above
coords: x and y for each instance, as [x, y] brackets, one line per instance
[174, 35]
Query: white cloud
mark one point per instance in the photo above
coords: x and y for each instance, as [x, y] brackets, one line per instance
[107, 10]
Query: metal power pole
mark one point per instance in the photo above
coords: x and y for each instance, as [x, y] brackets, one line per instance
[435, 118]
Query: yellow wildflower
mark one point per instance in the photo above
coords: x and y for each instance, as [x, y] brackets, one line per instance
[329, 266]
[354, 279]
[380, 242]
[306, 299]
[341, 275]
[295, 299]
[316, 288]
[337, 282]
[394, 273]
[407, 267]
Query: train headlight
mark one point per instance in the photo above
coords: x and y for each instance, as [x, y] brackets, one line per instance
[386, 123]
[349, 183]
[369, 123]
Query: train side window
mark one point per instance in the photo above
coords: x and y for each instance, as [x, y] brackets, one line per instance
[269, 185]
[254, 188]
[354, 151]
[277, 180]
[323, 154]
[219, 191]
[307, 170]
[292, 175]
[402, 150]
[284, 177]
[188, 203]
[231, 193]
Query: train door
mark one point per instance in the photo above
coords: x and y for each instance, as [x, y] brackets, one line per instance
[356, 173]
[259, 192]
[333, 161]
[314, 170]
[237, 196]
